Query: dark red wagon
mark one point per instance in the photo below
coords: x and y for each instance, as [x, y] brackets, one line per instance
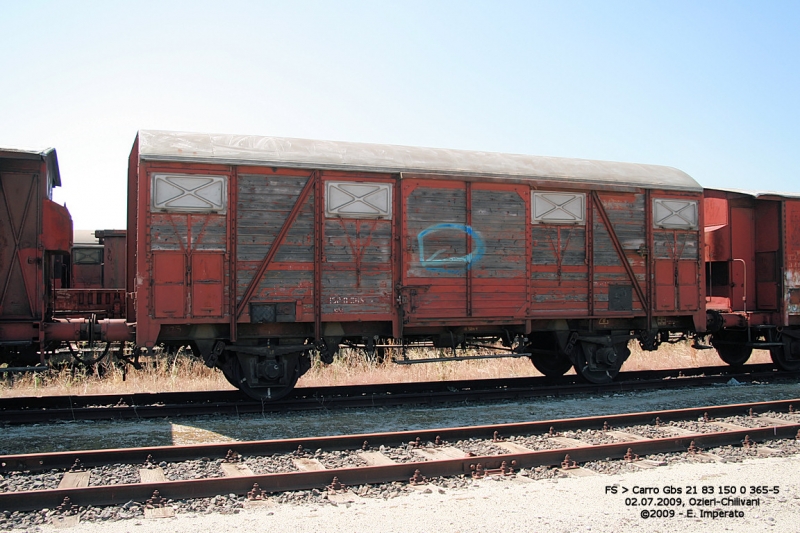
[34, 232]
[257, 250]
[753, 274]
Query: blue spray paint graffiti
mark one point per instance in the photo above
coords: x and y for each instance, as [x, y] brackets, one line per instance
[436, 263]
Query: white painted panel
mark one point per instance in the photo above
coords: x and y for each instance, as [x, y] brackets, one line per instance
[558, 208]
[674, 213]
[189, 193]
[345, 199]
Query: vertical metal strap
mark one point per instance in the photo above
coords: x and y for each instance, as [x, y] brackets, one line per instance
[468, 205]
[233, 200]
[649, 257]
[590, 250]
[319, 220]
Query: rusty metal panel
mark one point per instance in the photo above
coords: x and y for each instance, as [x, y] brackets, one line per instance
[87, 266]
[743, 272]
[687, 286]
[169, 284]
[791, 254]
[206, 281]
[188, 239]
[105, 303]
[114, 246]
[284, 284]
[56, 227]
[20, 259]
[665, 285]
[767, 252]
[676, 259]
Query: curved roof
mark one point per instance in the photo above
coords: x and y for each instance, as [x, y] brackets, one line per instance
[48, 155]
[333, 155]
[757, 194]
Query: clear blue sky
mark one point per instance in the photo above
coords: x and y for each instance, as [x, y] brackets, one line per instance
[707, 87]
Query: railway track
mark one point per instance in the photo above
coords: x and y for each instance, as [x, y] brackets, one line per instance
[254, 470]
[23, 410]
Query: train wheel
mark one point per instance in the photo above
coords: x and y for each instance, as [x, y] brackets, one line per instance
[546, 354]
[551, 366]
[265, 390]
[230, 369]
[600, 364]
[730, 347]
[787, 357]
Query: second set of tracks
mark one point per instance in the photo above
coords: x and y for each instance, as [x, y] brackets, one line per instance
[24, 410]
[413, 457]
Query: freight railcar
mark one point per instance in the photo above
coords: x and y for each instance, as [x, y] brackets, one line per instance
[752, 258]
[90, 281]
[34, 232]
[258, 250]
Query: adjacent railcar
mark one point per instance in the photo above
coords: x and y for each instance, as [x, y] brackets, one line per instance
[34, 231]
[91, 280]
[257, 250]
[753, 274]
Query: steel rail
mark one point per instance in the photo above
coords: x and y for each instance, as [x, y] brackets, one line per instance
[60, 460]
[198, 488]
[150, 398]
[148, 405]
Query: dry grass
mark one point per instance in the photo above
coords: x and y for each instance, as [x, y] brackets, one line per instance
[183, 372]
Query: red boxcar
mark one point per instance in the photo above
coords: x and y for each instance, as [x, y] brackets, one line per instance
[96, 284]
[258, 249]
[753, 274]
[33, 231]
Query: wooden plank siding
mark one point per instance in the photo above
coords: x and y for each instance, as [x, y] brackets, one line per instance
[500, 218]
[357, 278]
[559, 270]
[626, 212]
[464, 252]
[264, 203]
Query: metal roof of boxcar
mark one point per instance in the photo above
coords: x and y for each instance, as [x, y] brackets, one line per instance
[48, 155]
[757, 194]
[334, 155]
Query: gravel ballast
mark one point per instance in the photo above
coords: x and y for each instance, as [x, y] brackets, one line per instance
[521, 504]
